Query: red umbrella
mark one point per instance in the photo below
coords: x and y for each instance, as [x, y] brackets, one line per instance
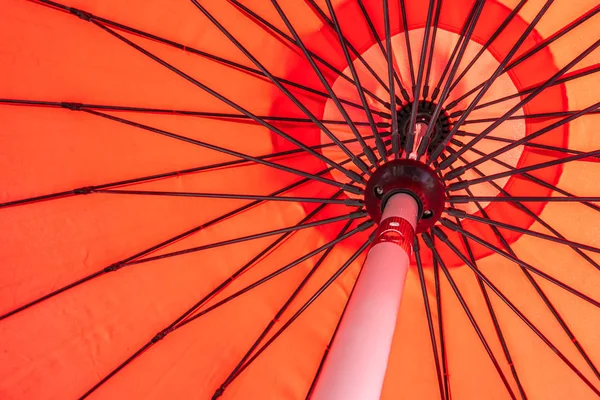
[336, 199]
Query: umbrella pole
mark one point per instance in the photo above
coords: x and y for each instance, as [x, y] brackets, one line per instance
[356, 364]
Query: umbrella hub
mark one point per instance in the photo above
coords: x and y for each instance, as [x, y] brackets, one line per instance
[425, 111]
[411, 177]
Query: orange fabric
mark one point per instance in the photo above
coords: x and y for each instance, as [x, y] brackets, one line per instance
[61, 347]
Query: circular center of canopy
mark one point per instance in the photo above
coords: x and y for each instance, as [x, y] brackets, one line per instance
[445, 41]
[410, 177]
[424, 116]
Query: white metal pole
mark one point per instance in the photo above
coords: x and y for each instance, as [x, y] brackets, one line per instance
[355, 366]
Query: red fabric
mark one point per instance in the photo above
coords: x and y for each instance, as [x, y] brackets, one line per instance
[61, 347]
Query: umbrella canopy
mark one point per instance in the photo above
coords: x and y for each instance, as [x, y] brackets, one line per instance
[182, 208]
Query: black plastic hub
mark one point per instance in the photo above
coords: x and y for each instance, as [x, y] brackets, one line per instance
[424, 113]
[411, 177]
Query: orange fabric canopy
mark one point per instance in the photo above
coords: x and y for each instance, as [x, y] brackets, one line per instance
[86, 108]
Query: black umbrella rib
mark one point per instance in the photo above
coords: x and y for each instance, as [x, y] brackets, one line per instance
[526, 210]
[483, 135]
[490, 81]
[544, 115]
[463, 30]
[363, 226]
[294, 228]
[525, 175]
[533, 51]
[407, 40]
[580, 73]
[237, 273]
[539, 235]
[375, 36]
[136, 259]
[350, 188]
[266, 24]
[434, 347]
[160, 335]
[436, 20]
[506, 301]
[379, 142]
[461, 170]
[478, 7]
[410, 139]
[535, 285]
[535, 146]
[286, 233]
[390, 66]
[538, 289]
[555, 37]
[427, 239]
[494, 317]
[279, 132]
[491, 310]
[487, 44]
[438, 299]
[345, 42]
[190, 50]
[521, 199]
[319, 200]
[282, 88]
[518, 106]
[370, 155]
[501, 67]
[172, 174]
[461, 185]
[451, 225]
[182, 318]
[298, 313]
[120, 264]
[241, 364]
[166, 111]
[541, 183]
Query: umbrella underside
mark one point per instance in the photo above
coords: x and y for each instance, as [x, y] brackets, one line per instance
[183, 215]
